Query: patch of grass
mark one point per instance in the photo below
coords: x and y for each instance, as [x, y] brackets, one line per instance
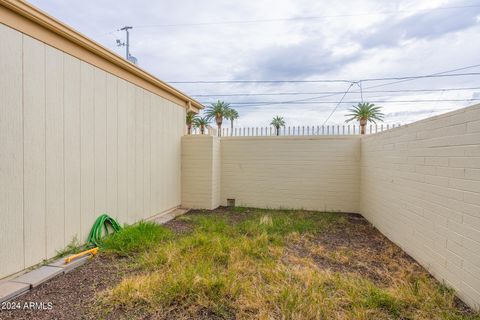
[211, 224]
[282, 223]
[73, 247]
[380, 299]
[247, 271]
[135, 239]
[239, 209]
[186, 218]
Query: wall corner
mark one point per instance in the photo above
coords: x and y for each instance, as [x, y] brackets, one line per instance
[201, 172]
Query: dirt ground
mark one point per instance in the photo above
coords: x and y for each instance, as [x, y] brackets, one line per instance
[71, 294]
[356, 246]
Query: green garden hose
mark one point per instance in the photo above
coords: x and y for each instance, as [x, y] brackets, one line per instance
[100, 229]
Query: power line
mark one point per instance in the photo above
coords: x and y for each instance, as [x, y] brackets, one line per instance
[254, 21]
[442, 73]
[384, 84]
[433, 74]
[332, 80]
[405, 80]
[339, 102]
[259, 81]
[263, 103]
[311, 98]
[331, 92]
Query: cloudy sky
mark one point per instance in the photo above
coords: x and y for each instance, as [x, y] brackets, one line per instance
[297, 40]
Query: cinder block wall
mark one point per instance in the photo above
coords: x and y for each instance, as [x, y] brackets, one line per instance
[200, 172]
[418, 184]
[315, 173]
[420, 187]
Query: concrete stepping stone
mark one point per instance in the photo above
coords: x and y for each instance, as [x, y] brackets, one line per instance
[164, 218]
[10, 290]
[38, 276]
[60, 263]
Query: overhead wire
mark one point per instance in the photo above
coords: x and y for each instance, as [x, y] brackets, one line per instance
[406, 78]
[304, 18]
[433, 74]
[409, 78]
[330, 92]
[339, 102]
[263, 103]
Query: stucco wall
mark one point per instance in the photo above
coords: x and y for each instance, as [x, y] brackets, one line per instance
[316, 173]
[200, 172]
[75, 142]
[420, 186]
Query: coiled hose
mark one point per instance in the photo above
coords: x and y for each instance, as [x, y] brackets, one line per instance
[101, 228]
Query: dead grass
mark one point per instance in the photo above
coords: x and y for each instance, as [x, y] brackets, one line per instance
[274, 264]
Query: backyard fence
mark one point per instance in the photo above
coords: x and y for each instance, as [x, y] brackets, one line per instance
[209, 131]
[329, 130]
[418, 184]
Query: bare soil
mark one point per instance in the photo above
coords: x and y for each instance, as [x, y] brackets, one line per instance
[360, 249]
[356, 245]
[72, 295]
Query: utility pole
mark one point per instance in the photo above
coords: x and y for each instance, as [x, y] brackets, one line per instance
[126, 44]
[127, 51]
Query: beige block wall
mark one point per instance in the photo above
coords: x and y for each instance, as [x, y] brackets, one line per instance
[314, 173]
[200, 172]
[75, 142]
[420, 186]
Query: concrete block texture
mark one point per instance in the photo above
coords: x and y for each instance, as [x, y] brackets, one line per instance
[315, 173]
[201, 173]
[432, 211]
[418, 184]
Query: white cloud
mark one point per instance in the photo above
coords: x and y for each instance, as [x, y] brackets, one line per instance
[352, 40]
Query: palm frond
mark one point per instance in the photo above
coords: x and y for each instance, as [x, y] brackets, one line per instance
[365, 111]
[201, 122]
[278, 122]
[231, 114]
[217, 109]
[190, 118]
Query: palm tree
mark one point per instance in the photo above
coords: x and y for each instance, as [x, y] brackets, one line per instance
[278, 122]
[201, 122]
[365, 112]
[217, 111]
[231, 115]
[190, 121]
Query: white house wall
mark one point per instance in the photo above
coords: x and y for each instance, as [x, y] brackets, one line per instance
[76, 142]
